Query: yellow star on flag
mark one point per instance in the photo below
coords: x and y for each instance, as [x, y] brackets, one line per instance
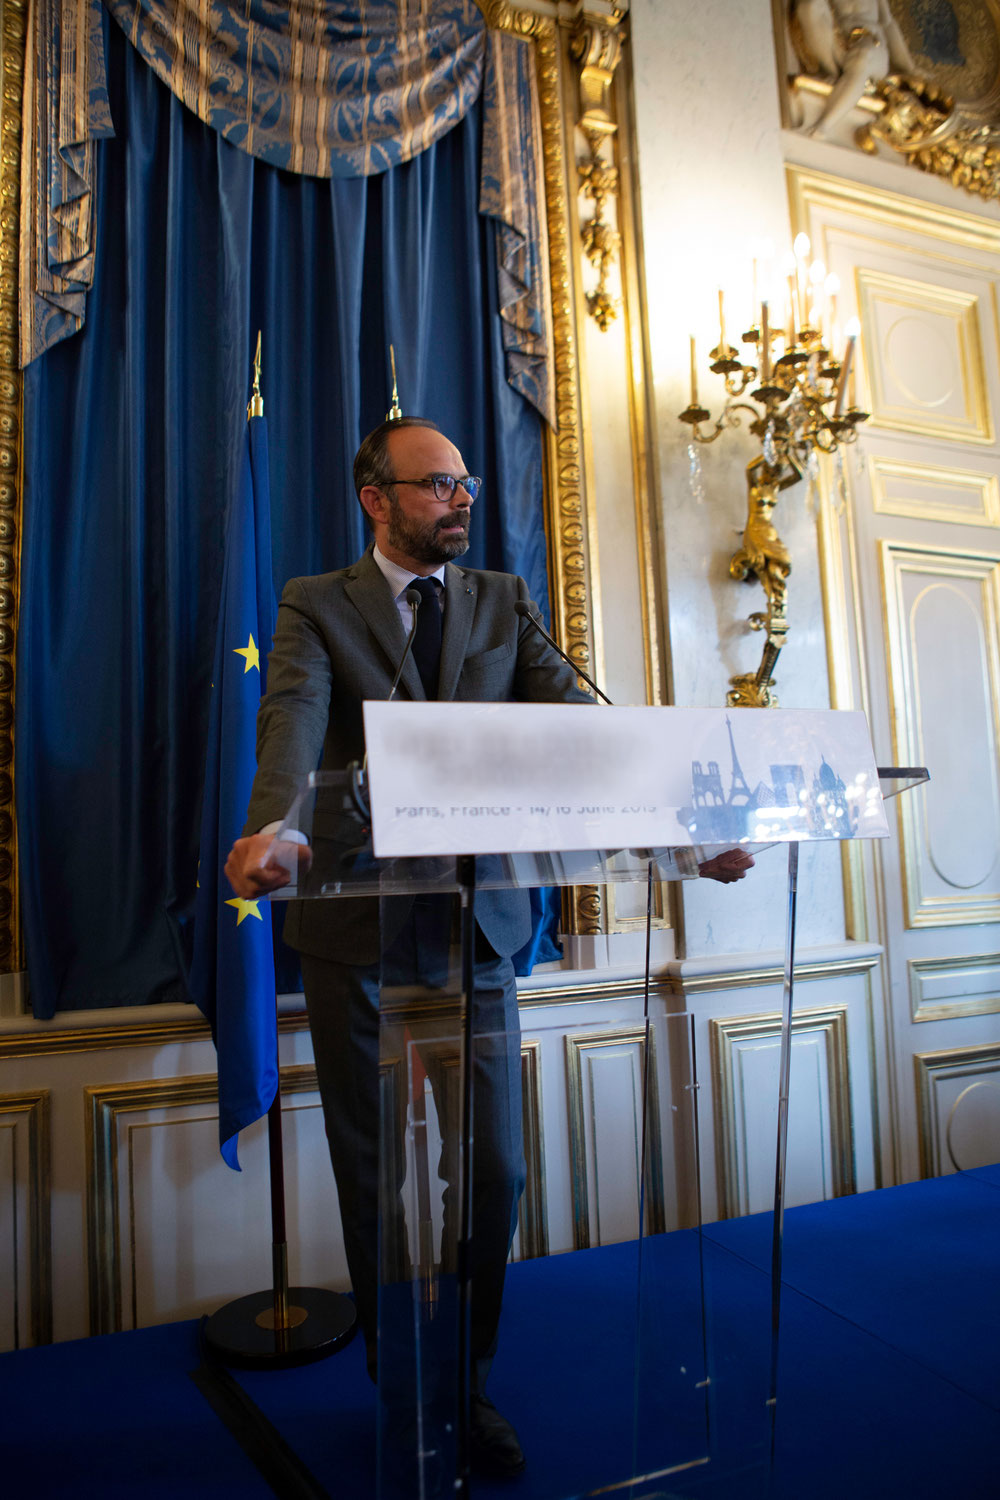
[251, 653]
[246, 909]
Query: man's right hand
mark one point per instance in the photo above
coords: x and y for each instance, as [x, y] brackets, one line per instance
[261, 863]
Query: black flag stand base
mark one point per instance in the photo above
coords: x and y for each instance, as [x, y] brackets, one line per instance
[285, 1326]
[243, 1332]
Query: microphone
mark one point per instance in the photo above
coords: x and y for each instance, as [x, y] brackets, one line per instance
[412, 597]
[524, 610]
[359, 774]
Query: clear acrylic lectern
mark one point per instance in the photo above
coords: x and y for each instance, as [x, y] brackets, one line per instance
[437, 1209]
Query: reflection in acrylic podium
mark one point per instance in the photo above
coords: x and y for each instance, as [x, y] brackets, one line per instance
[788, 778]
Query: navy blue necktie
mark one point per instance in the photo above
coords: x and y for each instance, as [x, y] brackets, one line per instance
[427, 641]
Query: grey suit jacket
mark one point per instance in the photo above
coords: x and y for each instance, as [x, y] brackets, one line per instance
[337, 643]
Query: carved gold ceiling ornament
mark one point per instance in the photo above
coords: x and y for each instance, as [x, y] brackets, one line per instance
[928, 128]
[926, 72]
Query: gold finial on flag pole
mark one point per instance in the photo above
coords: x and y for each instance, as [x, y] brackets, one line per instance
[256, 406]
[395, 411]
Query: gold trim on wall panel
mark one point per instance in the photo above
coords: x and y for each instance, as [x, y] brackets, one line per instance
[809, 190]
[939, 565]
[642, 418]
[838, 566]
[922, 299]
[105, 1106]
[566, 513]
[55, 1040]
[13, 30]
[838, 968]
[725, 1035]
[943, 988]
[30, 1110]
[933, 1068]
[618, 923]
[983, 491]
[533, 1215]
[577, 1047]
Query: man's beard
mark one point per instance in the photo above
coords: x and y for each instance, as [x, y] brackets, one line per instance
[427, 543]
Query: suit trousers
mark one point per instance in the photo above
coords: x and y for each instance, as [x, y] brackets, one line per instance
[364, 1122]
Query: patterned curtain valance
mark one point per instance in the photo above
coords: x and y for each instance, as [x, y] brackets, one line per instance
[512, 192]
[328, 88]
[65, 111]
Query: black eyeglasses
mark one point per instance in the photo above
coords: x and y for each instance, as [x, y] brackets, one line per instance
[443, 485]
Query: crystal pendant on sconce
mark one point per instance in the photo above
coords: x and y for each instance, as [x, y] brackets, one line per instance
[770, 452]
[694, 475]
[840, 481]
[812, 482]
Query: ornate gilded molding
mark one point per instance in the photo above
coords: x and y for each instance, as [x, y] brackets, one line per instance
[569, 571]
[595, 47]
[13, 30]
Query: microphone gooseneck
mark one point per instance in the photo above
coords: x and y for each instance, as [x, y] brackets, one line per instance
[524, 610]
[412, 597]
[359, 774]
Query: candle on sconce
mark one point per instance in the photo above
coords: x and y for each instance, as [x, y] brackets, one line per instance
[800, 249]
[694, 373]
[790, 338]
[853, 329]
[817, 276]
[765, 343]
[832, 286]
[722, 324]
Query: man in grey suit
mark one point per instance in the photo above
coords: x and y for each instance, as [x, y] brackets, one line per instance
[338, 642]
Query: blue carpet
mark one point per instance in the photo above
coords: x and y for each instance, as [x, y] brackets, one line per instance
[888, 1381]
[916, 1266]
[117, 1417]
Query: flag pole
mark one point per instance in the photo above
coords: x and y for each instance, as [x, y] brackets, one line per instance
[284, 1326]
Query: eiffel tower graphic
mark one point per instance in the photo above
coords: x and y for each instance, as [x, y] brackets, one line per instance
[739, 791]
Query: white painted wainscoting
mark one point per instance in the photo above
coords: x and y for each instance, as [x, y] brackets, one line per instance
[118, 1212]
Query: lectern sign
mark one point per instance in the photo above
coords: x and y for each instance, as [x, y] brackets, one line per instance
[483, 778]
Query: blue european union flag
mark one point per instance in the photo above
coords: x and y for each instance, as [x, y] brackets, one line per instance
[232, 974]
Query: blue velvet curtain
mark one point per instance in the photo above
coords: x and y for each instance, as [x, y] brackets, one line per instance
[132, 441]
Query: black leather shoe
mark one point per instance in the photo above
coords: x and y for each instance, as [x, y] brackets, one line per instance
[494, 1449]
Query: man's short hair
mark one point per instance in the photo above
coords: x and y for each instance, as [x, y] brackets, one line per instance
[371, 465]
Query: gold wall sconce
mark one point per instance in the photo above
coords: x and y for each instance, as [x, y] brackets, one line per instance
[805, 403]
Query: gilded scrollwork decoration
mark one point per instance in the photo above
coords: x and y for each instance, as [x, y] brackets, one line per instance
[596, 49]
[920, 78]
[570, 579]
[13, 31]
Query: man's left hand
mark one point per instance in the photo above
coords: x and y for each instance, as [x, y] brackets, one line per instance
[730, 865]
